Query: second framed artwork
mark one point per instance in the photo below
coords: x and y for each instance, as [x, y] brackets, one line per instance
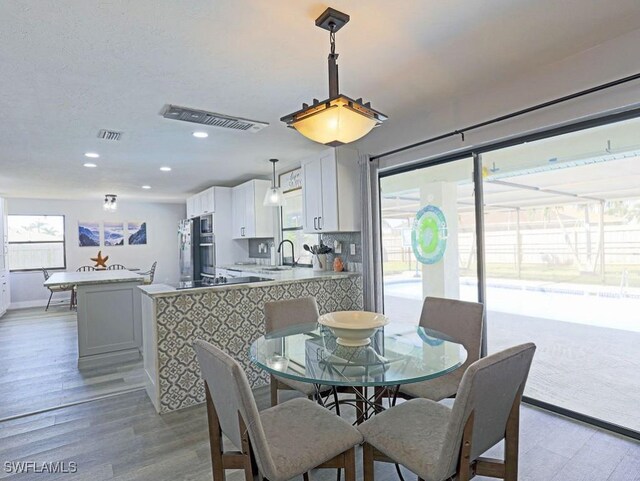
[113, 233]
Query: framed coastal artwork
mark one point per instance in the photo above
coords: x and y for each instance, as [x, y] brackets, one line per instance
[88, 234]
[137, 232]
[113, 233]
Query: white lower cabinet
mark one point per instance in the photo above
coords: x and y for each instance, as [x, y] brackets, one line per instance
[5, 298]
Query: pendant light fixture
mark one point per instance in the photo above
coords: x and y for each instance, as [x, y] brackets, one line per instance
[339, 119]
[274, 196]
[110, 202]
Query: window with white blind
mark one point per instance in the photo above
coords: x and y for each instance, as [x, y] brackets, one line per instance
[36, 242]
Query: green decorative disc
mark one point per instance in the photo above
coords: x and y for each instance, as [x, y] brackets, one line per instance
[429, 235]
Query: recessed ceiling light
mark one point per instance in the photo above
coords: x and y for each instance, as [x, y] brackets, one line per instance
[89, 164]
[146, 186]
[91, 155]
[165, 169]
[200, 135]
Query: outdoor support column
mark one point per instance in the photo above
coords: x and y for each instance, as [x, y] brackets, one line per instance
[442, 279]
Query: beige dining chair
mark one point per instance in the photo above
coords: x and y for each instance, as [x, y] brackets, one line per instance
[283, 441]
[463, 322]
[54, 289]
[437, 442]
[280, 315]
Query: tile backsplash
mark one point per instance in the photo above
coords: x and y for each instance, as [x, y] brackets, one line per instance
[345, 239]
[259, 248]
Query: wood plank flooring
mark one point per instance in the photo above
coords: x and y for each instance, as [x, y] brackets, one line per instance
[38, 364]
[122, 438]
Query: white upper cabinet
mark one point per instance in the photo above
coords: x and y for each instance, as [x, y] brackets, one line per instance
[202, 203]
[250, 217]
[331, 191]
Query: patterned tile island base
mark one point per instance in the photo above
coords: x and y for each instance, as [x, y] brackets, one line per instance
[230, 318]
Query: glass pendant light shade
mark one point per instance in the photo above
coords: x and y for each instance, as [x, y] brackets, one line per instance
[274, 196]
[334, 123]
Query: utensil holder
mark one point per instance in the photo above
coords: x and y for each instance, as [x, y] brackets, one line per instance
[319, 262]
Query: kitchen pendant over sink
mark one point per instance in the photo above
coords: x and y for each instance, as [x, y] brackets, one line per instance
[273, 197]
[339, 119]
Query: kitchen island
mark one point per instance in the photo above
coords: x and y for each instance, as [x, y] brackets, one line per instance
[229, 316]
[109, 329]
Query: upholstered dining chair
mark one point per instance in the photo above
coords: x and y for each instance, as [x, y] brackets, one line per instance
[283, 314]
[149, 275]
[52, 290]
[283, 441]
[462, 321]
[437, 442]
[116, 267]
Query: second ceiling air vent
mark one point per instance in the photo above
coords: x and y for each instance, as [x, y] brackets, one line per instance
[109, 134]
[213, 119]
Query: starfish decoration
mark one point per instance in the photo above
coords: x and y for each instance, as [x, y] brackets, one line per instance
[99, 260]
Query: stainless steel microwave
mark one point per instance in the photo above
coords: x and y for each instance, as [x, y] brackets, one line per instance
[206, 225]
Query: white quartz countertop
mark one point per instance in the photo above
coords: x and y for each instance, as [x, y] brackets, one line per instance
[298, 274]
[91, 277]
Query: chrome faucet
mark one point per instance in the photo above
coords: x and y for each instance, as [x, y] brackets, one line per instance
[293, 256]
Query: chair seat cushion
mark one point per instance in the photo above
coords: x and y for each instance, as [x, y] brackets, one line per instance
[301, 435]
[305, 388]
[411, 433]
[436, 389]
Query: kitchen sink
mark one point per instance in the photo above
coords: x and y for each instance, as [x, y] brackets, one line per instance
[277, 268]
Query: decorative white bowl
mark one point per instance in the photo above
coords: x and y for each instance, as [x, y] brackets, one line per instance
[353, 328]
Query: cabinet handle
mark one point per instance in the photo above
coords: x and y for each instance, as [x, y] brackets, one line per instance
[319, 223]
[315, 223]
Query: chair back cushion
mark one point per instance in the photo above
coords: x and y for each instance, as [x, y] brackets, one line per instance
[231, 394]
[488, 389]
[463, 321]
[283, 314]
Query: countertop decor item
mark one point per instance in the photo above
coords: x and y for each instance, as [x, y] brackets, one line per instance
[338, 266]
[339, 119]
[353, 328]
[99, 260]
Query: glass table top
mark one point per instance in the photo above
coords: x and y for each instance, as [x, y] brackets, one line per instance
[398, 354]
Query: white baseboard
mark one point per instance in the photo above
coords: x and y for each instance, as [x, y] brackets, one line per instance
[38, 303]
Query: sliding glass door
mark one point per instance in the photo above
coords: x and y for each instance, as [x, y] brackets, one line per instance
[562, 237]
[428, 237]
[561, 258]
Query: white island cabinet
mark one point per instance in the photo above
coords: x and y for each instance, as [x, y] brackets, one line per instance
[331, 192]
[109, 322]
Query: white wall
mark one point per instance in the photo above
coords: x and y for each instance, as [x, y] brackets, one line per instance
[617, 58]
[162, 241]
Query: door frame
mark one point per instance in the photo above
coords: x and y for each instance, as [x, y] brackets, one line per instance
[476, 154]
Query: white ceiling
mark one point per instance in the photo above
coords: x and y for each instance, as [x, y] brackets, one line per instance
[72, 67]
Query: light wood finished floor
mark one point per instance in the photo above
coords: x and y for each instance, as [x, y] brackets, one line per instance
[38, 364]
[122, 438]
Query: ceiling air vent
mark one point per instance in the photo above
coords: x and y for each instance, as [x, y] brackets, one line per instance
[109, 134]
[211, 118]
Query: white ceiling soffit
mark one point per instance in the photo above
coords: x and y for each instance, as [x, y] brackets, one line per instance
[73, 67]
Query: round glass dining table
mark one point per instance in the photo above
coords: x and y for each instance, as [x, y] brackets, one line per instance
[397, 354]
